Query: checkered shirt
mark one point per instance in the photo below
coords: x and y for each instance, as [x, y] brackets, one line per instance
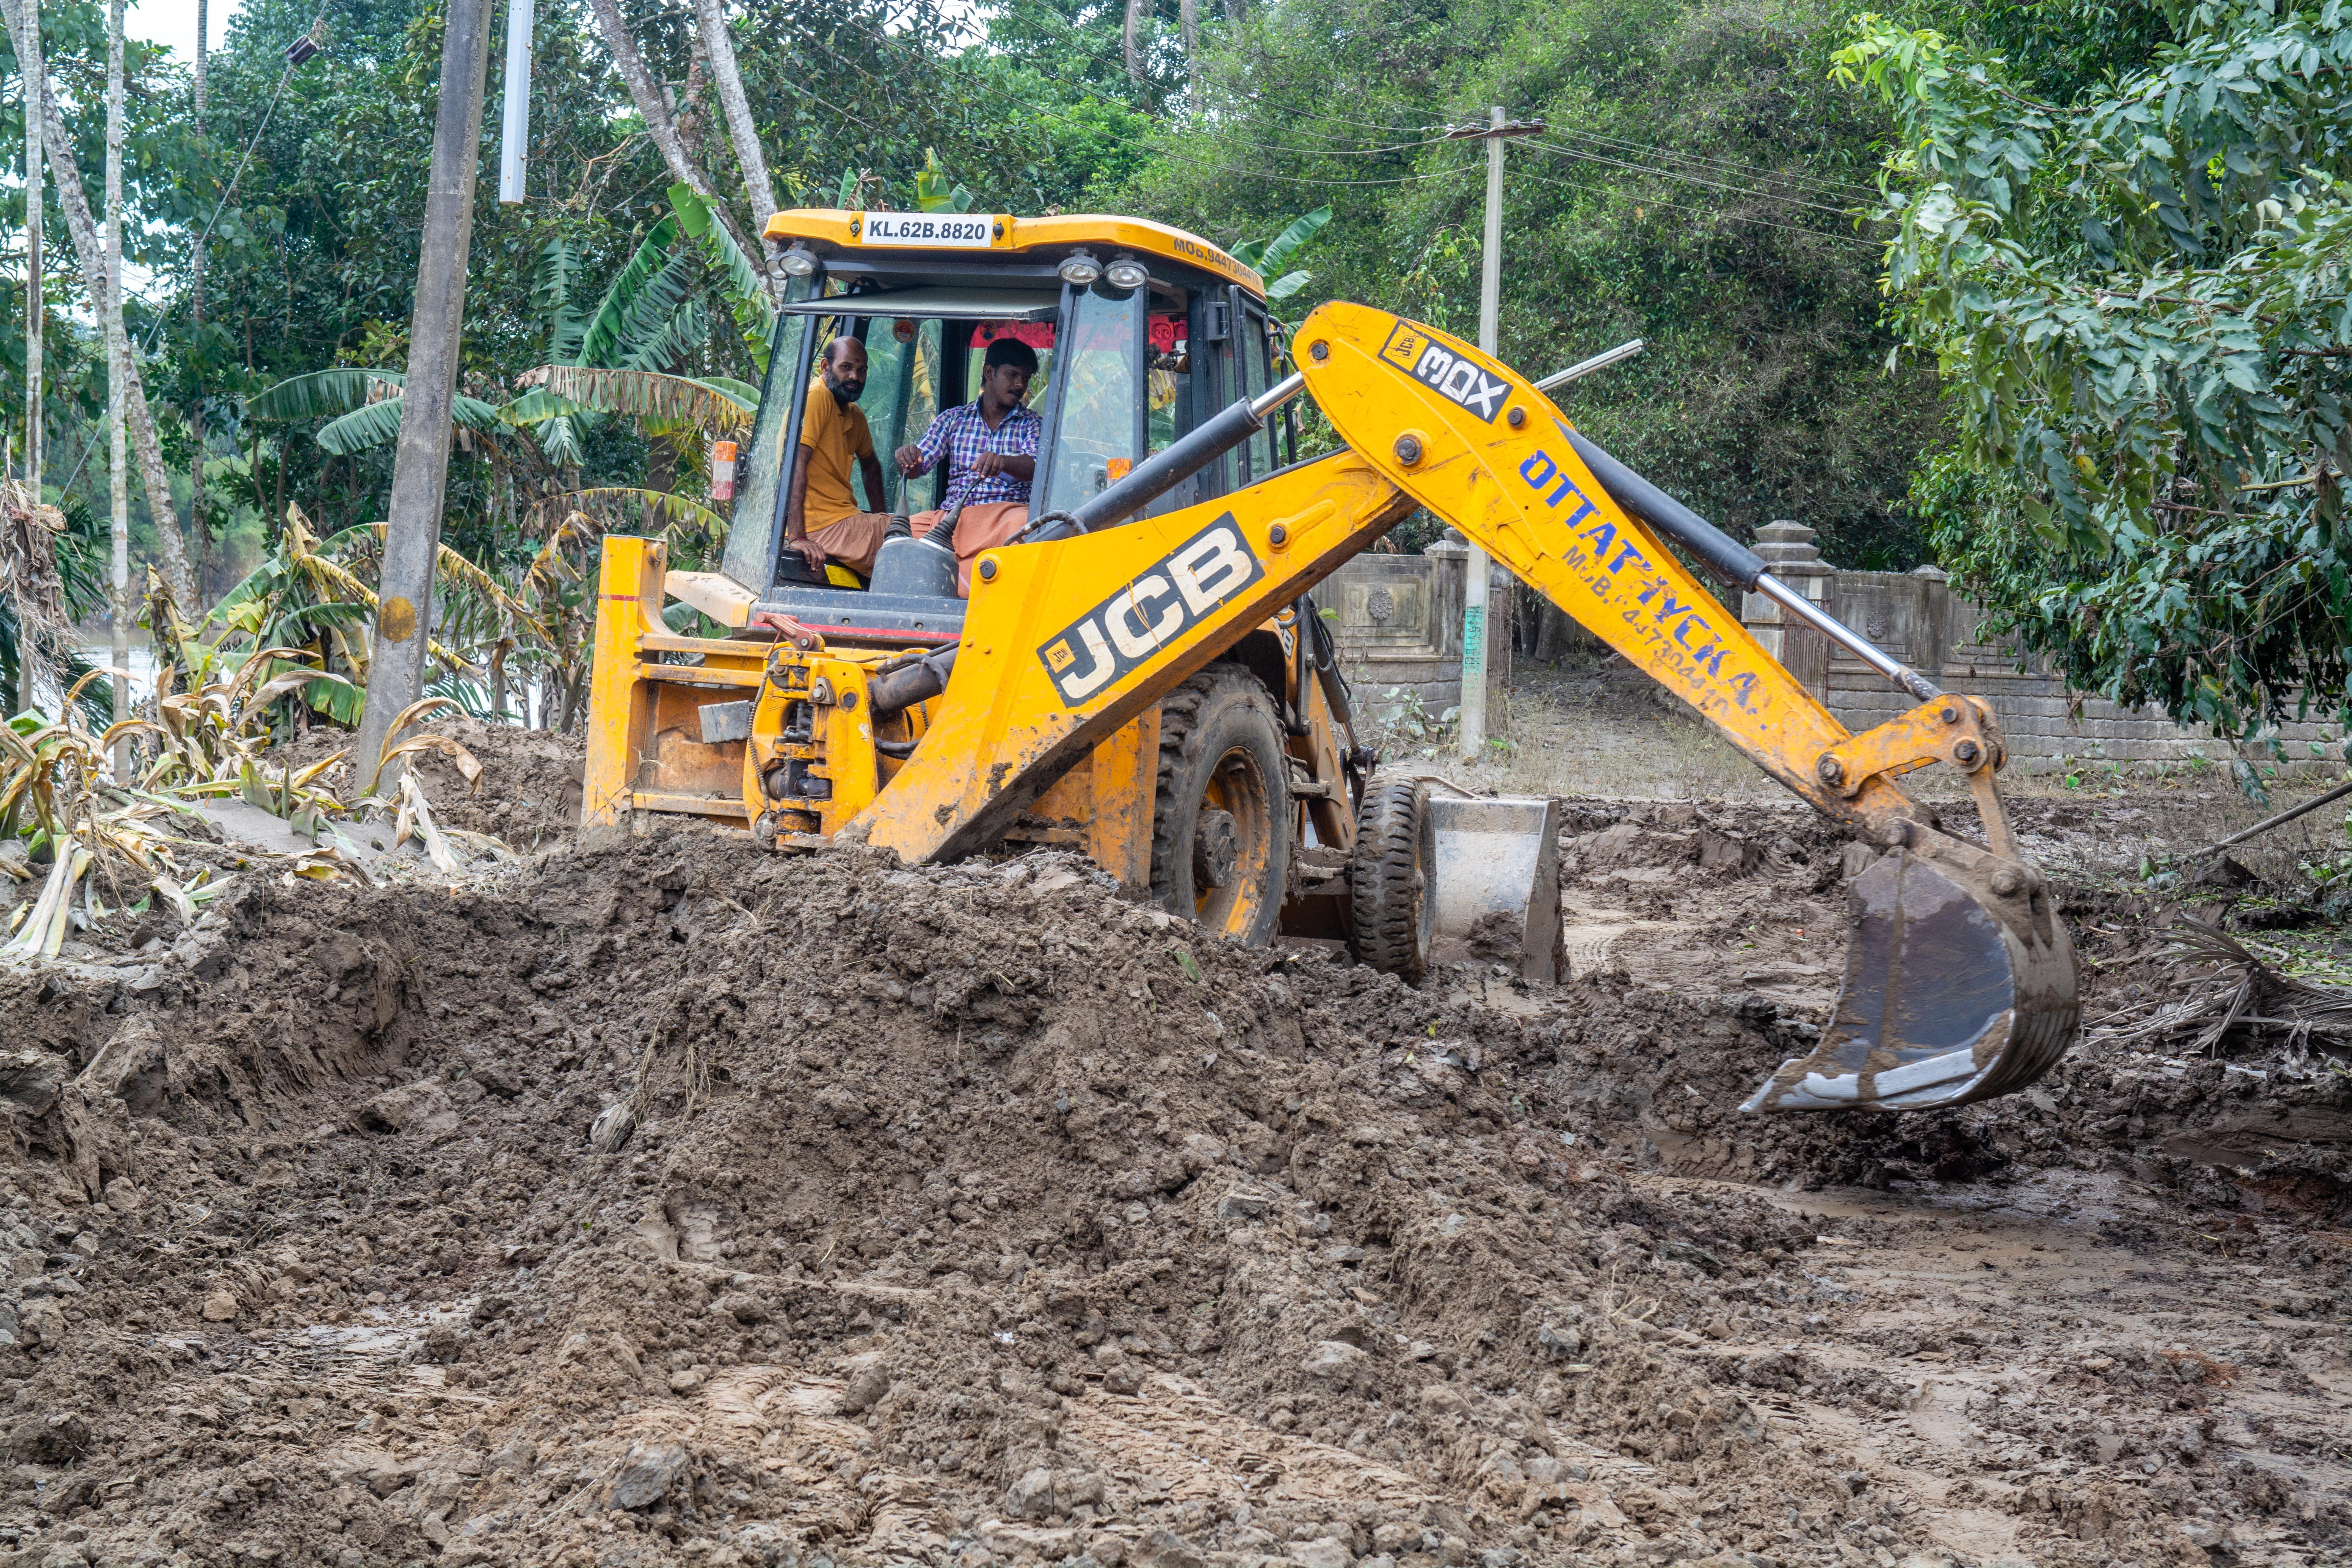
[963, 436]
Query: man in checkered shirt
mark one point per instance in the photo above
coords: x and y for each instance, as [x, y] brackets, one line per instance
[991, 447]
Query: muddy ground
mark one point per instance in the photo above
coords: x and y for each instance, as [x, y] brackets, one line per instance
[655, 1200]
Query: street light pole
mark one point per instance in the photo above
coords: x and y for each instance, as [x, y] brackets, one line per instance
[420, 466]
[514, 124]
[1494, 132]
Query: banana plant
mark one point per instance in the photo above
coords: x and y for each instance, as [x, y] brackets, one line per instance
[933, 194]
[1265, 256]
[648, 317]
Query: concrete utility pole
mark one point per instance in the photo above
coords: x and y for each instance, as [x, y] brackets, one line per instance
[28, 55]
[117, 361]
[514, 124]
[196, 314]
[420, 466]
[1494, 132]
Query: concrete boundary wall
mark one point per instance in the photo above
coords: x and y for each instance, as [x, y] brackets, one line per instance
[1397, 621]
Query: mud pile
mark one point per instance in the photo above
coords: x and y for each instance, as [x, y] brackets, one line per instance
[671, 1201]
[1741, 909]
[528, 794]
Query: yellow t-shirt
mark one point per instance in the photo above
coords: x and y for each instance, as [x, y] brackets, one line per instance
[835, 438]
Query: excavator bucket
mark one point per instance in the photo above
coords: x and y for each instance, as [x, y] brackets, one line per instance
[1496, 889]
[1959, 985]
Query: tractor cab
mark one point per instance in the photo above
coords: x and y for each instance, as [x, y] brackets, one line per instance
[1142, 331]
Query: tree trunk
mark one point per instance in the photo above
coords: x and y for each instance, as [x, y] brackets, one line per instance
[1131, 40]
[88, 252]
[654, 110]
[118, 350]
[719, 45]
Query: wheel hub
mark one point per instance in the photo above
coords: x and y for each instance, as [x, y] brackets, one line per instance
[1216, 849]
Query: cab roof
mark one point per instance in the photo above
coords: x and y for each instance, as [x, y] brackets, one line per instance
[1048, 239]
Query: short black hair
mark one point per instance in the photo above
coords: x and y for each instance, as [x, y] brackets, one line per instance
[1010, 350]
[832, 349]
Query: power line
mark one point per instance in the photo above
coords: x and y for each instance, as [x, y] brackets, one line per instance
[1720, 165]
[1700, 211]
[1340, 152]
[1310, 180]
[1582, 156]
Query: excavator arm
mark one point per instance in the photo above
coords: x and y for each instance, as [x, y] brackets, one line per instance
[1959, 979]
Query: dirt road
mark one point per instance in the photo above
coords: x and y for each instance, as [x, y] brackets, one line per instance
[655, 1200]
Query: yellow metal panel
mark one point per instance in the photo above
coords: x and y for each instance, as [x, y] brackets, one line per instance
[728, 805]
[848, 741]
[1013, 234]
[699, 675]
[1065, 642]
[628, 598]
[1124, 775]
[1394, 389]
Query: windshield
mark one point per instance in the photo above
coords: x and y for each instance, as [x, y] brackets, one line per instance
[1101, 421]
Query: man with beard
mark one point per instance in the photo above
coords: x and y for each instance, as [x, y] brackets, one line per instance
[822, 518]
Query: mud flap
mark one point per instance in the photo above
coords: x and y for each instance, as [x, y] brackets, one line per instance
[1959, 985]
[1497, 869]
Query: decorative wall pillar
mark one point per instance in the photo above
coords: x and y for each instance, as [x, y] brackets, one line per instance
[1788, 551]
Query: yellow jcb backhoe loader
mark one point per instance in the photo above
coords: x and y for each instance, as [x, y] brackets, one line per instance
[1141, 673]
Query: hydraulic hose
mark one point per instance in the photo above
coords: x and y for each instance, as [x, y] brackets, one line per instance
[1735, 564]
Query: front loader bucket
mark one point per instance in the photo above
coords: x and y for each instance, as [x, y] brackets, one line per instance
[1498, 879]
[1959, 985]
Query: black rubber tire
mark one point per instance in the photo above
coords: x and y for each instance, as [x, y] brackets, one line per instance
[1220, 748]
[1392, 891]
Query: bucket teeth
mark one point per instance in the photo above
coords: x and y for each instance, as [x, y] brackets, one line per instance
[1959, 985]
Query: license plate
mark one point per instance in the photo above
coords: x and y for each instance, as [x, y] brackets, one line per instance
[944, 230]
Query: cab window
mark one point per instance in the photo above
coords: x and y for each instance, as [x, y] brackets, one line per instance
[1100, 405]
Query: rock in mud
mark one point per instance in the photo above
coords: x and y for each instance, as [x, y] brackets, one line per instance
[612, 1128]
[1333, 1360]
[648, 1473]
[420, 1107]
[30, 1081]
[1323, 1551]
[58, 1438]
[1041, 1493]
[867, 1385]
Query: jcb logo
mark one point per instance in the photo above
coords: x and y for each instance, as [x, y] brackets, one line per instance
[1169, 597]
[1424, 358]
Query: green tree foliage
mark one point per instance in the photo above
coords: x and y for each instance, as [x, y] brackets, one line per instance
[1700, 183]
[2138, 296]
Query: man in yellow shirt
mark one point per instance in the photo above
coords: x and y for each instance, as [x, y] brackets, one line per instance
[822, 520]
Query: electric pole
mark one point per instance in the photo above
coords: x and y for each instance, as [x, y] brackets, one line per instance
[117, 365]
[1494, 132]
[196, 314]
[420, 466]
[28, 55]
